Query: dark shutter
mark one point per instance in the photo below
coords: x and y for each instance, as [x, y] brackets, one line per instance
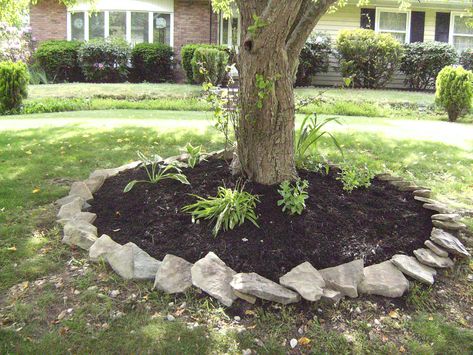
[417, 26]
[367, 18]
[442, 26]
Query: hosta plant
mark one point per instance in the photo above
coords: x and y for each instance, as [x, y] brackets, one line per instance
[230, 208]
[293, 196]
[195, 154]
[157, 172]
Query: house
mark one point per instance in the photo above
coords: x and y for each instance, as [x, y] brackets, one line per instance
[179, 22]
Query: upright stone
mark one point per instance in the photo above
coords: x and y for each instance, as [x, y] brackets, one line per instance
[331, 296]
[80, 189]
[79, 233]
[95, 183]
[69, 210]
[132, 263]
[429, 258]
[256, 285]
[411, 267]
[383, 279]
[102, 246]
[305, 280]
[174, 275]
[449, 242]
[211, 275]
[344, 278]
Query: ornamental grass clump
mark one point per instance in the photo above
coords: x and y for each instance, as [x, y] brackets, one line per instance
[454, 91]
[230, 208]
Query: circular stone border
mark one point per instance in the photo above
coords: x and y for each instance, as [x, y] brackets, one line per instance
[175, 275]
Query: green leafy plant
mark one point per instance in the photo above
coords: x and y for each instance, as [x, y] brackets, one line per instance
[187, 53]
[293, 196]
[454, 91]
[14, 80]
[354, 177]
[209, 64]
[309, 135]
[157, 172]
[368, 57]
[422, 61]
[195, 154]
[257, 25]
[264, 87]
[466, 59]
[152, 62]
[230, 208]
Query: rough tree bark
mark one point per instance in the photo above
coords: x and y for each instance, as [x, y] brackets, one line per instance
[266, 135]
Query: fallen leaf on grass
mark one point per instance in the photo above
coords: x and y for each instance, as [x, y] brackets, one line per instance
[13, 248]
[304, 341]
[36, 190]
[249, 312]
[394, 314]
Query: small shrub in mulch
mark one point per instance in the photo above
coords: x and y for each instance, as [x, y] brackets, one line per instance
[336, 227]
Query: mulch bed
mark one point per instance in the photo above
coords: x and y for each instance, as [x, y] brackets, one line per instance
[336, 227]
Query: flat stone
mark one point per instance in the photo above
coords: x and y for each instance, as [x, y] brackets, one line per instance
[411, 267]
[404, 185]
[426, 200]
[429, 258]
[70, 209]
[383, 279]
[422, 193]
[95, 183]
[80, 189]
[449, 242]
[81, 216]
[440, 208]
[248, 298]
[388, 177]
[211, 275]
[331, 296]
[174, 275]
[305, 280]
[344, 278]
[132, 263]
[448, 217]
[65, 200]
[102, 246]
[258, 286]
[106, 173]
[435, 248]
[446, 225]
[80, 233]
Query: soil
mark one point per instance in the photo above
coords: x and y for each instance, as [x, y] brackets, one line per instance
[336, 227]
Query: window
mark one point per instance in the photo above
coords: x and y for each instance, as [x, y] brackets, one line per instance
[139, 27]
[77, 23]
[394, 22]
[117, 25]
[461, 32]
[133, 26]
[97, 25]
[162, 28]
[230, 31]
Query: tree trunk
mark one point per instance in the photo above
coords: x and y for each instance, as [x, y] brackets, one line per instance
[266, 134]
[269, 55]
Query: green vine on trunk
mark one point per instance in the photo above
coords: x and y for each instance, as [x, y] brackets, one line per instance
[264, 86]
[257, 25]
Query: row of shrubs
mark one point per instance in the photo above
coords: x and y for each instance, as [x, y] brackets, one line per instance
[105, 61]
[369, 59]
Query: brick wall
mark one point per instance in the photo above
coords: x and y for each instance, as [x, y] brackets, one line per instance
[48, 20]
[192, 23]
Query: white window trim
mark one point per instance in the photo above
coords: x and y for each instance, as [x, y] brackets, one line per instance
[127, 24]
[230, 43]
[451, 33]
[396, 10]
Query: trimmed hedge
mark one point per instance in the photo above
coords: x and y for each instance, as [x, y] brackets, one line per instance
[105, 60]
[152, 62]
[14, 79]
[314, 58]
[59, 60]
[454, 91]
[466, 59]
[368, 58]
[423, 61]
[187, 53]
[209, 64]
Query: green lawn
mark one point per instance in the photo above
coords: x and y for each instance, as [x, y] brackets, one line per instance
[41, 155]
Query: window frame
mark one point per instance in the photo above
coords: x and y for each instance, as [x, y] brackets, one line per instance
[230, 43]
[127, 24]
[451, 34]
[379, 10]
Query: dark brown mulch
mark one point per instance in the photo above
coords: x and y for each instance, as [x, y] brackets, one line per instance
[335, 228]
